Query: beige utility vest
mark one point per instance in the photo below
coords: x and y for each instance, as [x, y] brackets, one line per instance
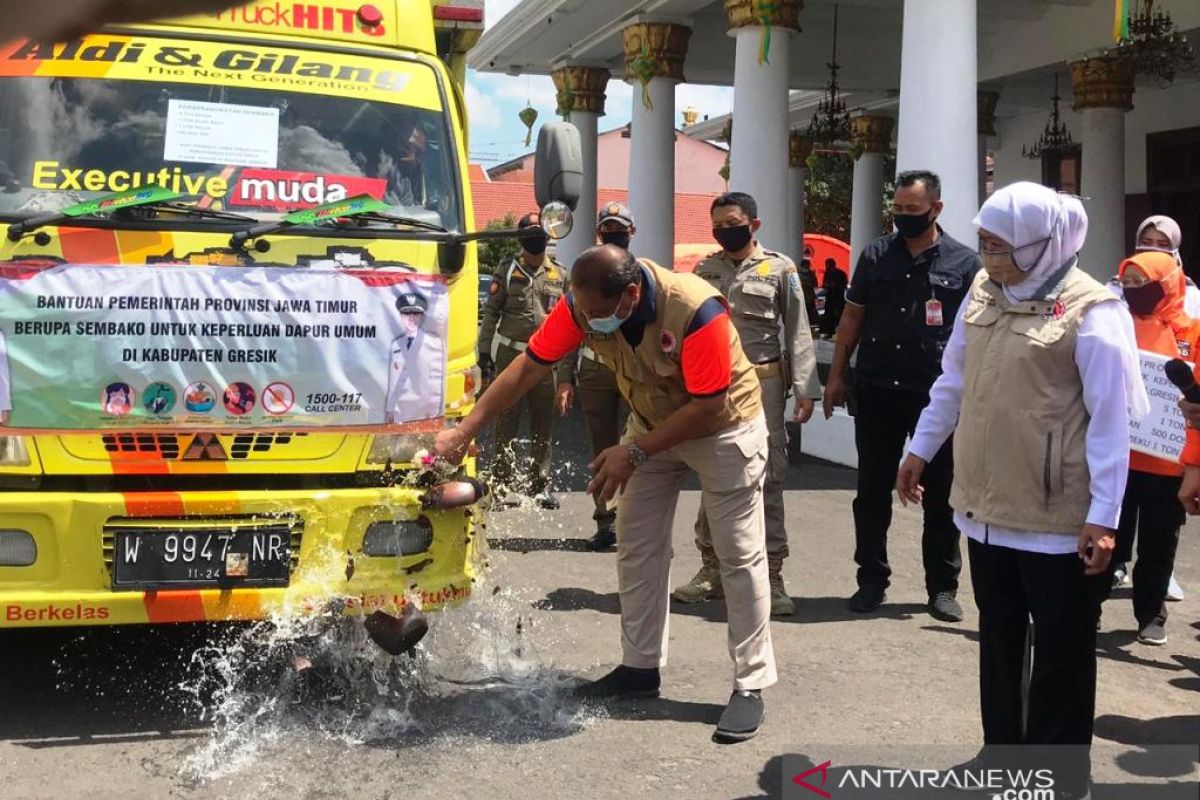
[650, 376]
[1020, 456]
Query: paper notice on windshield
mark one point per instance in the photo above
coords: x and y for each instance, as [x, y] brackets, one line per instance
[222, 133]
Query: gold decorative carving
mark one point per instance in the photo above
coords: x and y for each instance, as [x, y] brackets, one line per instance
[871, 133]
[986, 109]
[800, 147]
[655, 50]
[580, 89]
[776, 13]
[1105, 82]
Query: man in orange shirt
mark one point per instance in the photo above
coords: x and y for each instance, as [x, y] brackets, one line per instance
[695, 406]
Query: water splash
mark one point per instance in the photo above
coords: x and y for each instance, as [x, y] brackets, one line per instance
[482, 673]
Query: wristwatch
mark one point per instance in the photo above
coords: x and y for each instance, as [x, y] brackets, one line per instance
[636, 454]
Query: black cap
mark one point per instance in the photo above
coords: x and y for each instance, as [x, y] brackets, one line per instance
[411, 303]
[531, 220]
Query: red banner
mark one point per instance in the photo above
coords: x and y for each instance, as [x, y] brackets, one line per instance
[287, 191]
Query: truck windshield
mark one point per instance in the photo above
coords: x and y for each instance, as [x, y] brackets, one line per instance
[256, 151]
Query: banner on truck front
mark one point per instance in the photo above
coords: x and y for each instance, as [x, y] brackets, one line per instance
[92, 348]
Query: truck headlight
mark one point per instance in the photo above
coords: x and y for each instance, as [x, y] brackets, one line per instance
[398, 448]
[13, 451]
[400, 537]
[17, 548]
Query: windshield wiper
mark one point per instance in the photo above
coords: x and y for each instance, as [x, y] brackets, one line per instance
[149, 199]
[362, 208]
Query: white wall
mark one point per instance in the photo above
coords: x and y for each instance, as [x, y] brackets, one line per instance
[1154, 110]
[1063, 32]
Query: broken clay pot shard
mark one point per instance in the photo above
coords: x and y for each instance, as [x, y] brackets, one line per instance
[397, 635]
[454, 494]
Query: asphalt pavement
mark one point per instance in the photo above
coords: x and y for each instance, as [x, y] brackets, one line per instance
[485, 710]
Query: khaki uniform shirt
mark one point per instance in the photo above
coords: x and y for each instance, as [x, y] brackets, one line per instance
[767, 300]
[519, 299]
[650, 375]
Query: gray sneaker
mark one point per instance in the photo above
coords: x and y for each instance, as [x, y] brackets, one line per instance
[741, 718]
[944, 606]
[1153, 634]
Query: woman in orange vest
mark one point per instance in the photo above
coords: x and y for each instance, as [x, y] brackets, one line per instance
[1154, 287]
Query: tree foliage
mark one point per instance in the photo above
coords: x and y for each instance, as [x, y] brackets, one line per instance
[497, 252]
[828, 188]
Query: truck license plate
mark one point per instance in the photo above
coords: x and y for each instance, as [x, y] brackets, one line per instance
[225, 559]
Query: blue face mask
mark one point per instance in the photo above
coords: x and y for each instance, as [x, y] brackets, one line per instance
[609, 324]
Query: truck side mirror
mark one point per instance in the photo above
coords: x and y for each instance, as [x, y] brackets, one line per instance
[558, 165]
[452, 257]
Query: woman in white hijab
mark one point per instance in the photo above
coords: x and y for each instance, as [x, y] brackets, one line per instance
[1162, 234]
[1039, 378]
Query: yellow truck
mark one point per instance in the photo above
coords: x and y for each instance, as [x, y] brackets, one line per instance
[247, 138]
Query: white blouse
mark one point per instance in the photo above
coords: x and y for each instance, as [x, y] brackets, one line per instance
[1105, 331]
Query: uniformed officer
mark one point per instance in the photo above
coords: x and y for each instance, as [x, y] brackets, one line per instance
[900, 309]
[415, 380]
[695, 406]
[604, 410]
[520, 297]
[767, 300]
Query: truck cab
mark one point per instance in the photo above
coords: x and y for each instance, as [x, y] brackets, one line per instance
[244, 117]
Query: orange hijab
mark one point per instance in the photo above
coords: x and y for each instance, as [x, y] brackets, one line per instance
[1161, 330]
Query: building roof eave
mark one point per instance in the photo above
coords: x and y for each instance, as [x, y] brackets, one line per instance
[508, 31]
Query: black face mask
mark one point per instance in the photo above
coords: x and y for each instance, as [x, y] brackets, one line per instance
[733, 240]
[535, 246]
[619, 238]
[912, 226]
[1142, 300]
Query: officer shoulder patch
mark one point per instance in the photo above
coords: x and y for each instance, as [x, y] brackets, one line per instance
[668, 342]
[794, 280]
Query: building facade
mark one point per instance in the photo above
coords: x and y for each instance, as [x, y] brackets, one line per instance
[947, 85]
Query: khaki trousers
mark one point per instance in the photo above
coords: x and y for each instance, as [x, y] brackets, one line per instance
[605, 412]
[540, 402]
[730, 465]
[774, 398]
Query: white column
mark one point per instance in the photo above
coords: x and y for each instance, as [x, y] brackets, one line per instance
[1102, 134]
[760, 142]
[583, 235]
[866, 203]
[796, 179]
[983, 153]
[652, 172]
[938, 74]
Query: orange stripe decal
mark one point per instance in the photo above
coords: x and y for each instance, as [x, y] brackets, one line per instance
[174, 607]
[153, 504]
[138, 464]
[89, 246]
[233, 604]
